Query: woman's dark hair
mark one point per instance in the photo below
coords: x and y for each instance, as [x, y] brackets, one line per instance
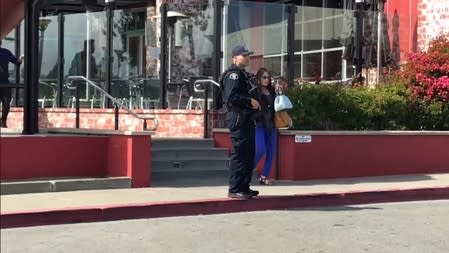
[259, 75]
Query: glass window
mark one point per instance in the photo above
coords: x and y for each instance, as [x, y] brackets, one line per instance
[297, 66]
[129, 43]
[318, 35]
[277, 65]
[48, 44]
[332, 32]
[312, 66]
[312, 13]
[262, 27]
[335, 4]
[313, 35]
[313, 3]
[332, 65]
[275, 30]
[297, 44]
[84, 53]
[48, 61]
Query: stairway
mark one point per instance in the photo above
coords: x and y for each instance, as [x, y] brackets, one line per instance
[188, 162]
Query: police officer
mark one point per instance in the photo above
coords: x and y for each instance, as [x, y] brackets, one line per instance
[241, 107]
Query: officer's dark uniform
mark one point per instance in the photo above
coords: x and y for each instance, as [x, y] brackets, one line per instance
[241, 125]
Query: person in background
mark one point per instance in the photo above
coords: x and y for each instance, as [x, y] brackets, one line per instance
[266, 132]
[6, 57]
[78, 66]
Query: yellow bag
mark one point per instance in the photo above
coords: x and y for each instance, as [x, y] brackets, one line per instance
[282, 120]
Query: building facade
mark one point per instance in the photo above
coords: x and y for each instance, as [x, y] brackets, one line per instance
[303, 40]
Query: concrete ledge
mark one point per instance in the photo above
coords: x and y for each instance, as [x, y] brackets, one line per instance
[85, 131]
[385, 132]
[59, 185]
[214, 206]
[25, 187]
[91, 184]
[355, 133]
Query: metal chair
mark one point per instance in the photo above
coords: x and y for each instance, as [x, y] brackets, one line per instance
[196, 97]
[47, 93]
[120, 90]
[151, 93]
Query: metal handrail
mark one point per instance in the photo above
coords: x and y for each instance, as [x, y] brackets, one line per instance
[200, 81]
[196, 88]
[118, 103]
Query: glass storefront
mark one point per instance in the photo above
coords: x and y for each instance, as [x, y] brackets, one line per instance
[262, 27]
[135, 55]
[321, 45]
[318, 29]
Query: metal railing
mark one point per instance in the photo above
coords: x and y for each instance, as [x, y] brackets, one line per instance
[197, 88]
[54, 94]
[118, 104]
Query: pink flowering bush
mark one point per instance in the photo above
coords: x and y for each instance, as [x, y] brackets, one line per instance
[427, 73]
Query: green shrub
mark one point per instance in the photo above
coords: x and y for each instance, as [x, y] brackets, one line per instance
[388, 107]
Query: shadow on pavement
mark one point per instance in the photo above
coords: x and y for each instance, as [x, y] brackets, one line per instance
[357, 180]
[339, 208]
[221, 178]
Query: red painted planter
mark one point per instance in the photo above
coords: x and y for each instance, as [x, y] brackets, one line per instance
[356, 154]
[108, 155]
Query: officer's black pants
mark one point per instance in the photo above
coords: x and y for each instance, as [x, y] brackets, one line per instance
[242, 157]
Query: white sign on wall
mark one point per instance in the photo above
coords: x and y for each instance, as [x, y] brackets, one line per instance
[303, 138]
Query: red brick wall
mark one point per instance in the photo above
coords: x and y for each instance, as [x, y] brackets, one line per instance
[433, 19]
[172, 123]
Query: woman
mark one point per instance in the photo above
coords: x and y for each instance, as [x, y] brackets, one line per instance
[266, 133]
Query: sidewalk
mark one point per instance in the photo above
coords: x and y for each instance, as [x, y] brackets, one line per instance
[180, 199]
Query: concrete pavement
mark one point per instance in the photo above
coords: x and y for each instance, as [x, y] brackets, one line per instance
[388, 228]
[178, 199]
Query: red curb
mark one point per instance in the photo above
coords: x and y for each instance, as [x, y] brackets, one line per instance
[50, 217]
[214, 206]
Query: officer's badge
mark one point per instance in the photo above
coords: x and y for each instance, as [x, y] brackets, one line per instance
[234, 76]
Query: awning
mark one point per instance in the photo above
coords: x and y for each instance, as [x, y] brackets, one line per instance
[11, 13]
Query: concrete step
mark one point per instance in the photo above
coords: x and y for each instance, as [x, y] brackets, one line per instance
[191, 164]
[10, 131]
[170, 143]
[194, 178]
[182, 178]
[189, 153]
[62, 184]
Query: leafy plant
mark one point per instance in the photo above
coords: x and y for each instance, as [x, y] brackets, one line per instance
[388, 107]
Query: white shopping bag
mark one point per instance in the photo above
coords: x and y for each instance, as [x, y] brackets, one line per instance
[282, 102]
